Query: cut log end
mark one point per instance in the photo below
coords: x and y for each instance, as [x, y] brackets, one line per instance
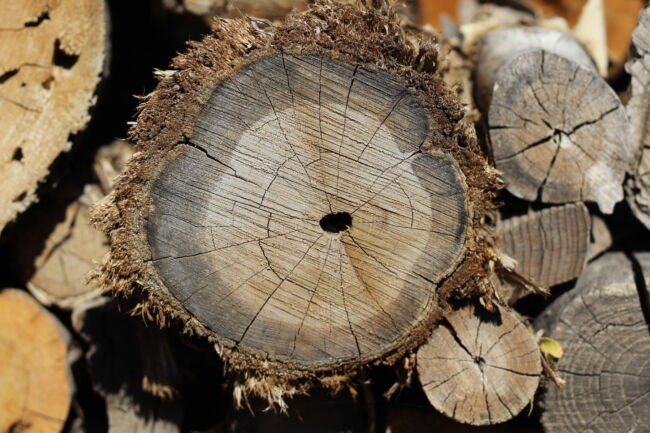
[480, 368]
[604, 333]
[305, 216]
[558, 132]
[36, 392]
[53, 54]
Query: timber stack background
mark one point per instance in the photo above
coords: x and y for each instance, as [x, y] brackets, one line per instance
[527, 127]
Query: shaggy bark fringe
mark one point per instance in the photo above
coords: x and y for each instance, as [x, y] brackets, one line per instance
[369, 35]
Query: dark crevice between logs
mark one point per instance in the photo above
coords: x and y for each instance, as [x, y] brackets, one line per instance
[641, 287]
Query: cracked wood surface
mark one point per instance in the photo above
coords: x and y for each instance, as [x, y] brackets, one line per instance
[236, 230]
[35, 382]
[558, 132]
[603, 327]
[638, 109]
[52, 53]
[500, 46]
[550, 246]
[478, 367]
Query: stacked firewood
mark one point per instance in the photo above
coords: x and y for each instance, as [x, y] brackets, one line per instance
[324, 216]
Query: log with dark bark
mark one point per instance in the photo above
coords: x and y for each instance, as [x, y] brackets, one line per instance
[558, 132]
[131, 367]
[603, 327]
[35, 382]
[550, 246]
[301, 205]
[639, 112]
[479, 367]
[52, 57]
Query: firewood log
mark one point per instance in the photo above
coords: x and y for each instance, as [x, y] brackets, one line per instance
[299, 195]
[52, 54]
[131, 367]
[558, 132]
[602, 325]
[638, 110]
[479, 367]
[35, 381]
[550, 246]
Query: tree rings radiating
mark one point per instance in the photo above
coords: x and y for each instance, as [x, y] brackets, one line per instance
[285, 142]
[307, 203]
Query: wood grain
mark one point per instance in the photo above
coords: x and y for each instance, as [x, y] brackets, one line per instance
[639, 111]
[35, 382]
[287, 140]
[558, 132]
[606, 342]
[52, 54]
[480, 368]
[550, 246]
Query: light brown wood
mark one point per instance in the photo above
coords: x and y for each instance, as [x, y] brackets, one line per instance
[639, 110]
[303, 219]
[478, 367]
[498, 47]
[268, 9]
[121, 352]
[606, 341]
[550, 246]
[71, 253]
[52, 54]
[558, 132]
[35, 382]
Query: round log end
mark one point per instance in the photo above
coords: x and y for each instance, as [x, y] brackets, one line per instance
[35, 395]
[302, 204]
[480, 368]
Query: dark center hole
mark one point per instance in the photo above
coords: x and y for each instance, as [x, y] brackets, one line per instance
[336, 222]
[480, 361]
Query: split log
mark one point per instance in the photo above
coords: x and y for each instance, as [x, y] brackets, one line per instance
[35, 382]
[71, 253]
[498, 47]
[479, 367]
[639, 111]
[304, 215]
[604, 334]
[127, 361]
[550, 246]
[53, 55]
[558, 132]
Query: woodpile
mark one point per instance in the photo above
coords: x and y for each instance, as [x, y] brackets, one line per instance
[325, 217]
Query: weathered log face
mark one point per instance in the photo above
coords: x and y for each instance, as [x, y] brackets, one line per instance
[303, 219]
[558, 132]
[52, 56]
[606, 342]
[480, 368]
[306, 206]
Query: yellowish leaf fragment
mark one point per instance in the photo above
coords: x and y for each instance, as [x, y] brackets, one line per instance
[551, 347]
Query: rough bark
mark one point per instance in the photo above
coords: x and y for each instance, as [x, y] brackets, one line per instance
[478, 367]
[638, 109]
[131, 368]
[53, 54]
[602, 325]
[35, 382]
[558, 132]
[498, 47]
[550, 246]
[306, 206]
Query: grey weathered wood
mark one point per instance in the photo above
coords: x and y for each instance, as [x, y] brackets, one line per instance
[638, 109]
[558, 132]
[121, 349]
[550, 246]
[498, 47]
[236, 233]
[480, 368]
[606, 342]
